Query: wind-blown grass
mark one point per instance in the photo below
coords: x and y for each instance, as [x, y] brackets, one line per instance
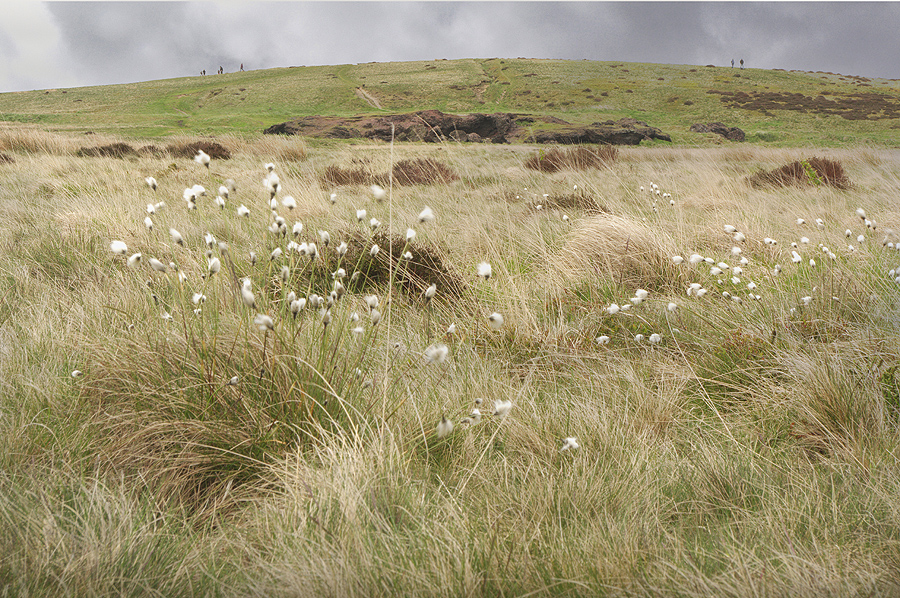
[752, 451]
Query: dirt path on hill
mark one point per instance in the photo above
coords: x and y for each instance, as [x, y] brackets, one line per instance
[364, 95]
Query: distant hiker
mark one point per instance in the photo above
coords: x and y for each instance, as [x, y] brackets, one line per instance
[242, 66]
[732, 63]
[742, 64]
[221, 71]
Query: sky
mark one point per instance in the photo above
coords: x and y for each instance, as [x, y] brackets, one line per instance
[71, 44]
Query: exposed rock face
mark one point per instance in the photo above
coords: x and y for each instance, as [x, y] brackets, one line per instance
[433, 125]
[730, 133]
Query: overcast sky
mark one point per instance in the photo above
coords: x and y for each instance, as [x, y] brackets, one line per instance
[70, 44]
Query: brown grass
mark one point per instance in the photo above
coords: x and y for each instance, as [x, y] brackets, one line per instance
[418, 171]
[428, 265]
[829, 172]
[112, 150]
[578, 158]
[337, 176]
[423, 171]
[216, 151]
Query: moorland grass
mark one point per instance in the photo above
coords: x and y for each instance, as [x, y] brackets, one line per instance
[751, 452]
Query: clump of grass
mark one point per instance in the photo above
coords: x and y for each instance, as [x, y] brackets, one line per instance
[577, 158]
[417, 171]
[428, 265]
[112, 150]
[278, 148]
[217, 151]
[423, 171]
[337, 176]
[815, 171]
[35, 141]
[619, 249]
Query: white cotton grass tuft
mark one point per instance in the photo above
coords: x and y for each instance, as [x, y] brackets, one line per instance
[695, 258]
[118, 247]
[655, 338]
[214, 266]
[378, 192]
[202, 158]
[672, 307]
[410, 235]
[176, 237]
[151, 182]
[333, 198]
[677, 260]
[157, 265]
[436, 354]
[613, 309]
[602, 340]
[374, 250]
[502, 408]
[444, 427]
[426, 215]
[570, 444]
[247, 295]
[495, 320]
[134, 259]
[264, 322]
[361, 215]
[484, 270]
[374, 223]
[243, 211]
[430, 291]
[289, 202]
[77, 373]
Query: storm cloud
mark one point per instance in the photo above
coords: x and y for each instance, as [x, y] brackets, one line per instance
[66, 44]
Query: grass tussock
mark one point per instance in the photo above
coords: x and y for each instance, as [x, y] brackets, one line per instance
[577, 158]
[815, 171]
[113, 150]
[619, 249]
[336, 176]
[189, 149]
[417, 171]
[423, 171]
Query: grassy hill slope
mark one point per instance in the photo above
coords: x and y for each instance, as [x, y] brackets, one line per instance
[784, 108]
[791, 107]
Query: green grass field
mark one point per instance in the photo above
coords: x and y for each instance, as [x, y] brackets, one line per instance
[260, 409]
[671, 97]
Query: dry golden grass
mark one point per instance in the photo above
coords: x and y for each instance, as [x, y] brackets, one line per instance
[751, 452]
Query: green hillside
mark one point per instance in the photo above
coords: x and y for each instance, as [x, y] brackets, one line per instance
[771, 106]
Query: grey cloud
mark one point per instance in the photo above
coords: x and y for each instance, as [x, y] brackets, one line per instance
[111, 42]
